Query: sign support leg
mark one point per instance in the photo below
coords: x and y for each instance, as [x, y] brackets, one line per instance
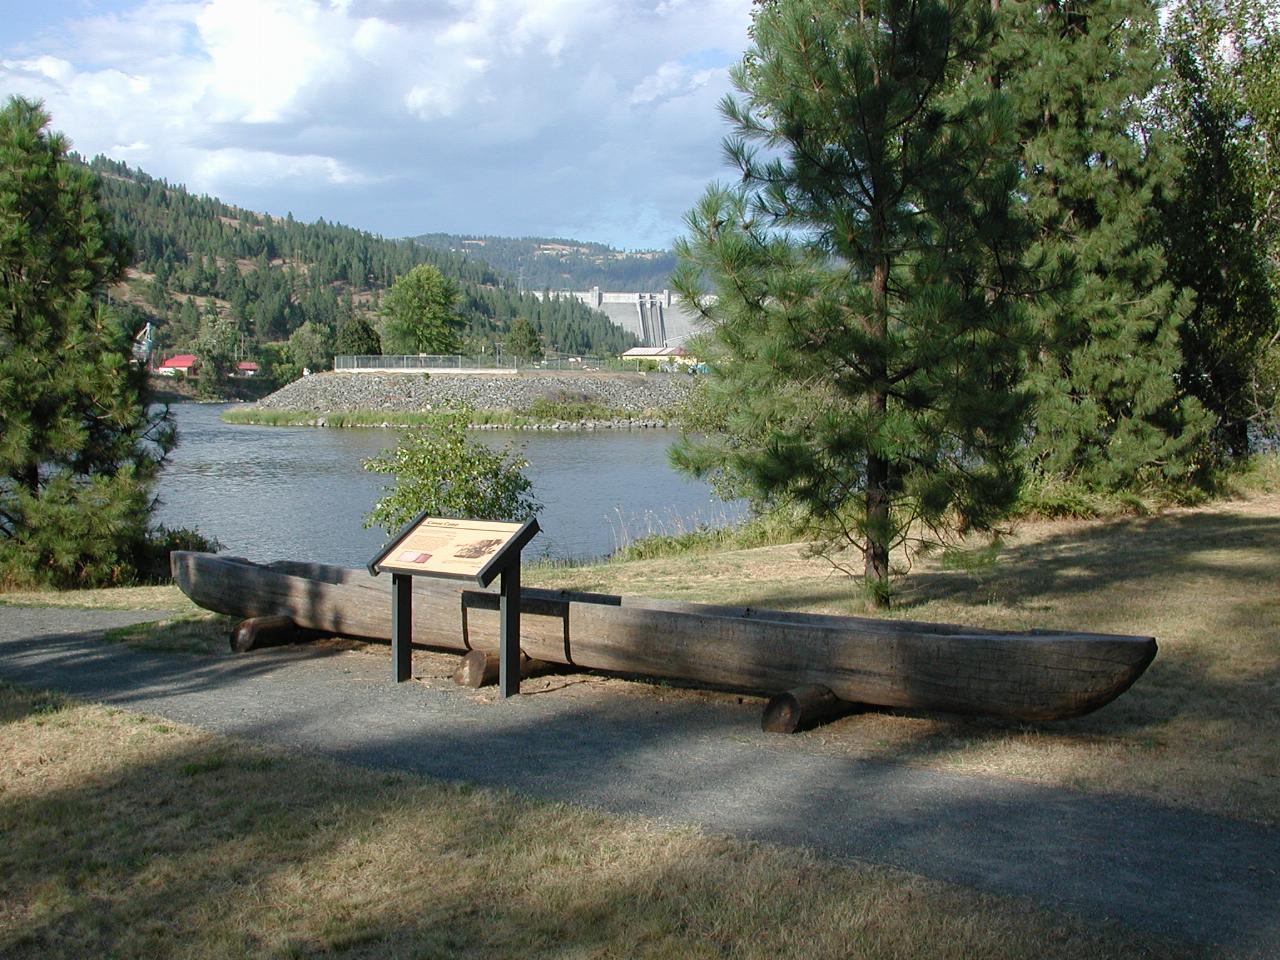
[401, 626]
[509, 639]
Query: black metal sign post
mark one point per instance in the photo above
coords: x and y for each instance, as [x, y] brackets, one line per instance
[458, 550]
[509, 630]
[401, 626]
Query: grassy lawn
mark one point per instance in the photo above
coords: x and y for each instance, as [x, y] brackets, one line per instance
[1200, 727]
[167, 597]
[128, 836]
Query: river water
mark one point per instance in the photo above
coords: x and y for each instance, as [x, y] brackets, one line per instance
[270, 493]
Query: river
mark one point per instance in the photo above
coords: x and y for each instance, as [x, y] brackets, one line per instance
[271, 493]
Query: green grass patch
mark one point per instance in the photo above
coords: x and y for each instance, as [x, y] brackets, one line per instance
[196, 632]
[1258, 474]
[761, 531]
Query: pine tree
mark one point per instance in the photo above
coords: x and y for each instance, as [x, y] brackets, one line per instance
[523, 341]
[78, 449]
[1221, 223]
[865, 274]
[1109, 412]
[358, 338]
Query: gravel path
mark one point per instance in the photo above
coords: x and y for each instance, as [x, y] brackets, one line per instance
[1168, 870]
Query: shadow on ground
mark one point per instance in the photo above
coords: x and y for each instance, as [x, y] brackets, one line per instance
[225, 850]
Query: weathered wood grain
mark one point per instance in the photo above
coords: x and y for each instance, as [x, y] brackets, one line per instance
[1038, 675]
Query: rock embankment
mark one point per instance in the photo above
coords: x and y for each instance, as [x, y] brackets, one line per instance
[633, 399]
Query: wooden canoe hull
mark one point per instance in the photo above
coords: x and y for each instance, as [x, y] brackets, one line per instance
[1038, 675]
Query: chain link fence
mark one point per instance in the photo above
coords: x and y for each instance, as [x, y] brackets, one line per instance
[383, 364]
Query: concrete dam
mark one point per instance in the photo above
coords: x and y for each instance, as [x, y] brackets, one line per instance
[657, 319]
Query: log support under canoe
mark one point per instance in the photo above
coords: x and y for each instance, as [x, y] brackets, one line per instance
[254, 633]
[480, 668]
[803, 708]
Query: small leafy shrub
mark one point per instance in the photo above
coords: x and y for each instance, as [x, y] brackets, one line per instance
[438, 468]
[152, 562]
[569, 405]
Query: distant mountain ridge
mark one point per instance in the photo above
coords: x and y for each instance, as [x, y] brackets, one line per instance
[558, 263]
[199, 262]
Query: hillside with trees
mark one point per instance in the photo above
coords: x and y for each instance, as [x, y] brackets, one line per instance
[231, 284]
[555, 263]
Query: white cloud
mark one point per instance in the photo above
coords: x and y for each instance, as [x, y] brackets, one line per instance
[670, 79]
[233, 166]
[401, 115]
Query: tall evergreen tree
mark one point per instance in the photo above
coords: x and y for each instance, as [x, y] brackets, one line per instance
[864, 274]
[1222, 224]
[357, 338]
[523, 341]
[78, 448]
[1109, 410]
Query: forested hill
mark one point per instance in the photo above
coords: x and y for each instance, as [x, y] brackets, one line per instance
[548, 263]
[201, 264]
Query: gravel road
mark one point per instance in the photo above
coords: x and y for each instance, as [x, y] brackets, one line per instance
[1163, 869]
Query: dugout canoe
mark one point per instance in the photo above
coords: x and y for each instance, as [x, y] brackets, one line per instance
[1034, 675]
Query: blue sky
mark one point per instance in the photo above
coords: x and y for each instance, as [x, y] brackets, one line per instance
[583, 118]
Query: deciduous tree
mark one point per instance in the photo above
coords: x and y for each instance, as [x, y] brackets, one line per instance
[1222, 223]
[438, 468]
[420, 313]
[311, 346]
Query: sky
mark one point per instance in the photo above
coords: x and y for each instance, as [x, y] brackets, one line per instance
[590, 119]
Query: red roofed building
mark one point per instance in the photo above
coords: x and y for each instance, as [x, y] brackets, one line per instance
[182, 363]
[247, 368]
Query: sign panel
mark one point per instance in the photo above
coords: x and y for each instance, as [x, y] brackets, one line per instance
[434, 546]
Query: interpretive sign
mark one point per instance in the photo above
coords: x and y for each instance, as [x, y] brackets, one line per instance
[477, 550]
[439, 547]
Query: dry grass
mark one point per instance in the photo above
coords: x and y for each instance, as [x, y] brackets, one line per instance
[127, 836]
[1201, 727]
[167, 597]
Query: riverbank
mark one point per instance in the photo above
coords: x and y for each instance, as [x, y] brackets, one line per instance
[528, 400]
[182, 390]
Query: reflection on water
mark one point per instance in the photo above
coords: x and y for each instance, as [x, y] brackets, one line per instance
[271, 493]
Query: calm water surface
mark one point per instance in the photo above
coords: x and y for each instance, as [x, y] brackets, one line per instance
[272, 493]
